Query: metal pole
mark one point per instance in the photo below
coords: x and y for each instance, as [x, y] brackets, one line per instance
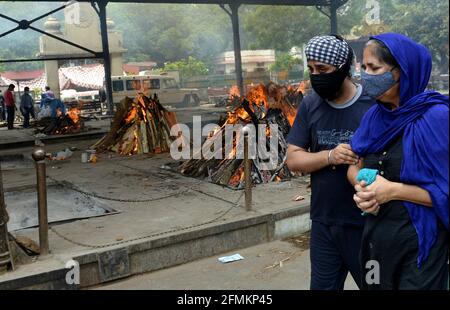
[237, 47]
[106, 55]
[5, 253]
[333, 16]
[247, 174]
[39, 157]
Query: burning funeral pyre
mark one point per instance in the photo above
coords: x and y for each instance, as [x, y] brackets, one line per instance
[140, 126]
[263, 105]
[63, 124]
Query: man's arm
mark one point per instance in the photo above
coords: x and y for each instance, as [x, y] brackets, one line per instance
[298, 159]
[23, 100]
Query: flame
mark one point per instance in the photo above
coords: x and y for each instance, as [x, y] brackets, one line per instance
[290, 113]
[301, 87]
[75, 115]
[257, 96]
[131, 115]
[237, 177]
[234, 92]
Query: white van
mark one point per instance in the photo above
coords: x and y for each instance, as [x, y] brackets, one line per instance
[166, 88]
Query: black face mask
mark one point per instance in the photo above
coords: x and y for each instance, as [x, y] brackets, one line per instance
[327, 85]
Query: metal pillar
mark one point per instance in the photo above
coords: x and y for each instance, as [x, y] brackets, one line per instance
[334, 5]
[5, 253]
[106, 55]
[247, 172]
[234, 15]
[39, 157]
[237, 47]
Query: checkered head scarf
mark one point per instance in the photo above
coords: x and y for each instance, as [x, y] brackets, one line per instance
[328, 49]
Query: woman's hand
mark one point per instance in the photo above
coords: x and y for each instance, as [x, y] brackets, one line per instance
[365, 200]
[369, 198]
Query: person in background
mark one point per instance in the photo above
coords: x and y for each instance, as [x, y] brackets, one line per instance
[27, 107]
[2, 107]
[318, 144]
[54, 104]
[49, 92]
[10, 104]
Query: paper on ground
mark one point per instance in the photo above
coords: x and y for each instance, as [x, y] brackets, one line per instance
[232, 258]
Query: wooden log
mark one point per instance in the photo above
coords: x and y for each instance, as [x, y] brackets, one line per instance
[145, 142]
[126, 144]
[111, 136]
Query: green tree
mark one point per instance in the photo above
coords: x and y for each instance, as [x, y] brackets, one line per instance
[172, 32]
[188, 67]
[284, 61]
[426, 22]
[281, 27]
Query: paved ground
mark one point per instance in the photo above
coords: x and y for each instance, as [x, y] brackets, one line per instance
[260, 270]
[188, 201]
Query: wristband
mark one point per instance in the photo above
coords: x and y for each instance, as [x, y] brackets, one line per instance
[329, 157]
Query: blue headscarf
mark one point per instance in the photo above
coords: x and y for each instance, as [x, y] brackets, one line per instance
[422, 117]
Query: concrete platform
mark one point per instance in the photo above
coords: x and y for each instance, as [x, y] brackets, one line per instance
[19, 137]
[166, 219]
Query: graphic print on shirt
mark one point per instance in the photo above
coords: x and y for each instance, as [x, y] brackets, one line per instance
[331, 138]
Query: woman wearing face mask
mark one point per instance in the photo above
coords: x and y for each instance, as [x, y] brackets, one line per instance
[405, 137]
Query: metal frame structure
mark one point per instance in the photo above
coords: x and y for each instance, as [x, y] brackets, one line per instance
[100, 8]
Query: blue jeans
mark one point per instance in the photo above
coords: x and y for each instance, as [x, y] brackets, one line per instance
[334, 252]
[26, 116]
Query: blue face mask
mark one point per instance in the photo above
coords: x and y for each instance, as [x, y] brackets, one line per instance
[376, 85]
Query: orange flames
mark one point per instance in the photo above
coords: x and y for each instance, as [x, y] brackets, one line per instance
[257, 97]
[301, 87]
[237, 177]
[74, 114]
[234, 92]
[131, 115]
[289, 112]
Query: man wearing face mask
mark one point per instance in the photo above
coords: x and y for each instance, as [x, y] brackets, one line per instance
[319, 145]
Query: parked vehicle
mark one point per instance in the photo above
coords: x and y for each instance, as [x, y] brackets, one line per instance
[166, 88]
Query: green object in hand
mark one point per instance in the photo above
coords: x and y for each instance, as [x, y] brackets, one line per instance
[367, 175]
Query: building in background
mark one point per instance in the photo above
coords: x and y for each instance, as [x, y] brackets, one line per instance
[133, 68]
[86, 32]
[252, 61]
